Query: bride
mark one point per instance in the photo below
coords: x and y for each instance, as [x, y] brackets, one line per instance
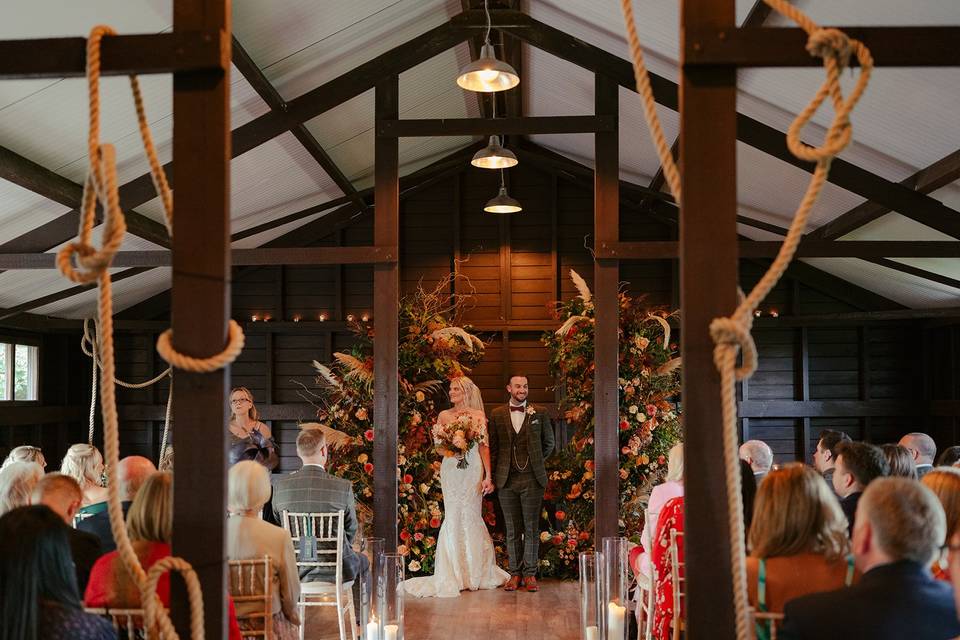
[465, 557]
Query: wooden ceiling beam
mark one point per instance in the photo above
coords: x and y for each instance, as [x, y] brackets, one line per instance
[868, 250]
[926, 180]
[763, 137]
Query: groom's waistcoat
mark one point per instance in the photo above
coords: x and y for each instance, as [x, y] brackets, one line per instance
[520, 449]
[534, 440]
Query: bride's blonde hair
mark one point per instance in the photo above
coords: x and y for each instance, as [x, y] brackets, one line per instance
[471, 392]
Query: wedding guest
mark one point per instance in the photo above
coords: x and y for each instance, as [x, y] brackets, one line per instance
[899, 529]
[38, 588]
[17, 481]
[922, 448]
[248, 537]
[25, 453]
[150, 525]
[949, 457]
[63, 496]
[313, 490]
[671, 519]
[748, 493]
[250, 439]
[84, 464]
[900, 461]
[132, 472]
[825, 455]
[670, 488]
[759, 456]
[945, 484]
[857, 465]
[798, 541]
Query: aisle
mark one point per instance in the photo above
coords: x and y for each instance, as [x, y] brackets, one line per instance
[550, 614]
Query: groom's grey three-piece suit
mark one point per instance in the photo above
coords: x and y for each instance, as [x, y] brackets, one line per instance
[521, 478]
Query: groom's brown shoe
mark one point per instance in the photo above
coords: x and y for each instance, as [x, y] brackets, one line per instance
[512, 583]
[530, 584]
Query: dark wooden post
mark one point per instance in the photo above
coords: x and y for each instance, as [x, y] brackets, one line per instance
[386, 284]
[200, 313]
[606, 273]
[708, 281]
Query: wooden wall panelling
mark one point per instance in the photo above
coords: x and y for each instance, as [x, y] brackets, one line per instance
[863, 350]
[803, 382]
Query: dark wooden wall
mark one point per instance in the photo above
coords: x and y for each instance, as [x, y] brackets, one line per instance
[875, 381]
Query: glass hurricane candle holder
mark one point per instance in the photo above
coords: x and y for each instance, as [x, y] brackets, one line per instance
[591, 620]
[369, 613]
[390, 596]
[614, 592]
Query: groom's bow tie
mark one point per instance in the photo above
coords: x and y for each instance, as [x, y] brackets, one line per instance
[516, 408]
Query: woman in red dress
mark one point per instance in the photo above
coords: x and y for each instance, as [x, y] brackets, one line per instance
[671, 518]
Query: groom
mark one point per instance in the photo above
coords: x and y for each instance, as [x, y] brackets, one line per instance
[521, 438]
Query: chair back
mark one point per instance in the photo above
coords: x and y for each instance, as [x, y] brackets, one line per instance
[327, 528]
[128, 623]
[770, 620]
[252, 581]
[677, 578]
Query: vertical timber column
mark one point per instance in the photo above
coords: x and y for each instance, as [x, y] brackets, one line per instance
[200, 313]
[606, 277]
[708, 281]
[386, 300]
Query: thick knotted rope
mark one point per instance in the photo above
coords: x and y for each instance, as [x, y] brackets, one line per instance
[93, 265]
[732, 334]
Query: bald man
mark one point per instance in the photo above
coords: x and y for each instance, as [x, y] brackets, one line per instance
[132, 472]
[922, 448]
[63, 495]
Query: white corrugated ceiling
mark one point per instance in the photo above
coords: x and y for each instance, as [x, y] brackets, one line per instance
[906, 121]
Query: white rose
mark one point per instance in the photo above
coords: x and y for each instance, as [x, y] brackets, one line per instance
[632, 408]
[424, 488]
[641, 417]
[544, 536]
[414, 566]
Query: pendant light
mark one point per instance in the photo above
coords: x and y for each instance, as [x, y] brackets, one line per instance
[502, 202]
[487, 74]
[494, 156]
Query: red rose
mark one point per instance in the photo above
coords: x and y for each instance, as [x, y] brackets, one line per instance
[368, 434]
[407, 478]
[560, 515]
[661, 460]
[368, 468]
[434, 523]
[651, 410]
[404, 535]
[584, 535]
[418, 536]
[624, 425]
[558, 539]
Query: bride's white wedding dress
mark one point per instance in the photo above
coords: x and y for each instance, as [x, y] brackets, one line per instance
[465, 557]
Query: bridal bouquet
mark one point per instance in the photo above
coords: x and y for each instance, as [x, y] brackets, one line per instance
[459, 436]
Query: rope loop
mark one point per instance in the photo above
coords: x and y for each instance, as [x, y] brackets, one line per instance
[729, 333]
[153, 619]
[830, 43]
[235, 341]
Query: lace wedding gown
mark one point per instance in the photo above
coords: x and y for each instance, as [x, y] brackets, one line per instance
[465, 557]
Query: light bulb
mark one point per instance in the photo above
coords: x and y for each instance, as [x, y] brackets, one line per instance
[488, 75]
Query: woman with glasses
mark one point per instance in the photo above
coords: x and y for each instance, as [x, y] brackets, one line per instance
[250, 439]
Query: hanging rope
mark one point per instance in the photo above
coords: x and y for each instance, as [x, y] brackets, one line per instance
[731, 335]
[93, 265]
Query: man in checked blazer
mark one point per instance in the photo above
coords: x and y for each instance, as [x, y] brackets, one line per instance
[313, 490]
[521, 437]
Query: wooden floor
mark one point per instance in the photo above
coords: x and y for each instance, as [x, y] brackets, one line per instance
[551, 614]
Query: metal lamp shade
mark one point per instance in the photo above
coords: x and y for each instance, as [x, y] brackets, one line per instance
[493, 156]
[486, 74]
[502, 203]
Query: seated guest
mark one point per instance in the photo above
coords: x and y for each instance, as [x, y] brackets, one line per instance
[900, 527]
[84, 464]
[63, 495]
[900, 461]
[17, 481]
[248, 537]
[949, 457]
[670, 488]
[798, 541]
[825, 455]
[150, 525]
[858, 464]
[922, 448]
[759, 456]
[38, 588]
[25, 453]
[313, 490]
[671, 519]
[132, 472]
[945, 484]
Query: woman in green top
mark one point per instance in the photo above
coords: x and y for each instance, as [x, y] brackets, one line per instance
[84, 464]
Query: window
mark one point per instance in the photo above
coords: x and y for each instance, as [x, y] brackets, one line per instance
[18, 371]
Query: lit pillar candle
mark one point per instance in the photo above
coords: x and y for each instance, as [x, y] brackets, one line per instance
[390, 632]
[616, 616]
[373, 630]
[592, 633]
